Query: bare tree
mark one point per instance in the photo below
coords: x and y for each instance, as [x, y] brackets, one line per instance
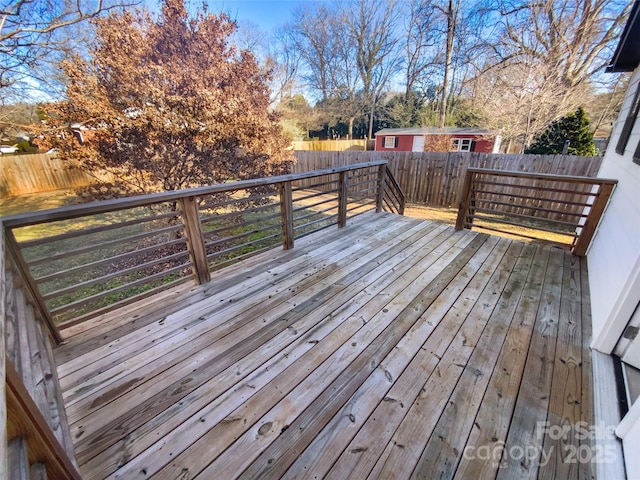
[572, 39]
[372, 26]
[544, 61]
[314, 35]
[284, 62]
[451, 14]
[422, 35]
[33, 31]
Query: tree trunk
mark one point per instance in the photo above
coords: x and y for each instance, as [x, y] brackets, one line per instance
[373, 107]
[350, 134]
[447, 65]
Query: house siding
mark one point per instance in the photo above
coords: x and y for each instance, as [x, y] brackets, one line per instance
[405, 143]
[614, 256]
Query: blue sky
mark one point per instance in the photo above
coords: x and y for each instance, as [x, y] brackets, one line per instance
[264, 13]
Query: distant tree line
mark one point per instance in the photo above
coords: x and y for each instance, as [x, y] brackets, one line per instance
[349, 68]
[513, 66]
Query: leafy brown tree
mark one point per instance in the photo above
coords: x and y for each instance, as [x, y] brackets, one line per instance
[168, 103]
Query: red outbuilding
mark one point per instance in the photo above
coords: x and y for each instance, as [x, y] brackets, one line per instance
[421, 139]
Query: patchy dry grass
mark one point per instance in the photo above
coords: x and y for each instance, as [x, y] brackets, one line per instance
[448, 216]
[36, 201]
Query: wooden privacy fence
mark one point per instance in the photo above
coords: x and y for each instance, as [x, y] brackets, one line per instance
[42, 172]
[330, 145]
[435, 178]
[568, 206]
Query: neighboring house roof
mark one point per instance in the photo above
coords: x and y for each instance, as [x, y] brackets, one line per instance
[627, 55]
[433, 131]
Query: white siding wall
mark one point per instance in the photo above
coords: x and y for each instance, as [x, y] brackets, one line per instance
[614, 256]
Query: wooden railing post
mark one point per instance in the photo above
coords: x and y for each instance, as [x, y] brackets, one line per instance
[195, 241]
[590, 225]
[286, 214]
[343, 193]
[382, 171]
[465, 200]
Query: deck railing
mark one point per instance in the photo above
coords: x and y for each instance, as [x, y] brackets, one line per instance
[60, 267]
[84, 260]
[568, 207]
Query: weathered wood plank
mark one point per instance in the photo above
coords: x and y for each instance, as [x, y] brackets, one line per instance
[17, 461]
[533, 397]
[25, 420]
[178, 334]
[303, 391]
[266, 397]
[566, 388]
[286, 447]
[437, 325]
[473, 344]
[339, 308]
[195, 240]
[86, 337]
[587, 417]
[230, 282]
[156, 396]
[488, 431]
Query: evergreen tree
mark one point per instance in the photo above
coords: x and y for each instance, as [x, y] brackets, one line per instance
[573, 127]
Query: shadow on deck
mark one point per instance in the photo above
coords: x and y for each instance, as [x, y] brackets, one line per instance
[390, 348]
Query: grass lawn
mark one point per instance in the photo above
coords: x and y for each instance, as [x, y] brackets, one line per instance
[449, 215]
[60, 198]
[36, 201]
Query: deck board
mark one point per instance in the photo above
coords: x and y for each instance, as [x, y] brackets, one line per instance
[391, 348]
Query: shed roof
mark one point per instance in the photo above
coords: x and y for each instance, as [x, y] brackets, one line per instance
[433, 131]
[627, 55]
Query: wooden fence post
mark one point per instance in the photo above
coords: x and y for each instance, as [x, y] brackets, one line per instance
[342, 198]
[382, 171]
[465, 199]
[195, 241]
[286, 214]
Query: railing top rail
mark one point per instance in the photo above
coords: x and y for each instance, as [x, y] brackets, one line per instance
[75, 211]
[544, 176]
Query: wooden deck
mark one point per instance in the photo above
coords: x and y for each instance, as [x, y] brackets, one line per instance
[392, 348]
